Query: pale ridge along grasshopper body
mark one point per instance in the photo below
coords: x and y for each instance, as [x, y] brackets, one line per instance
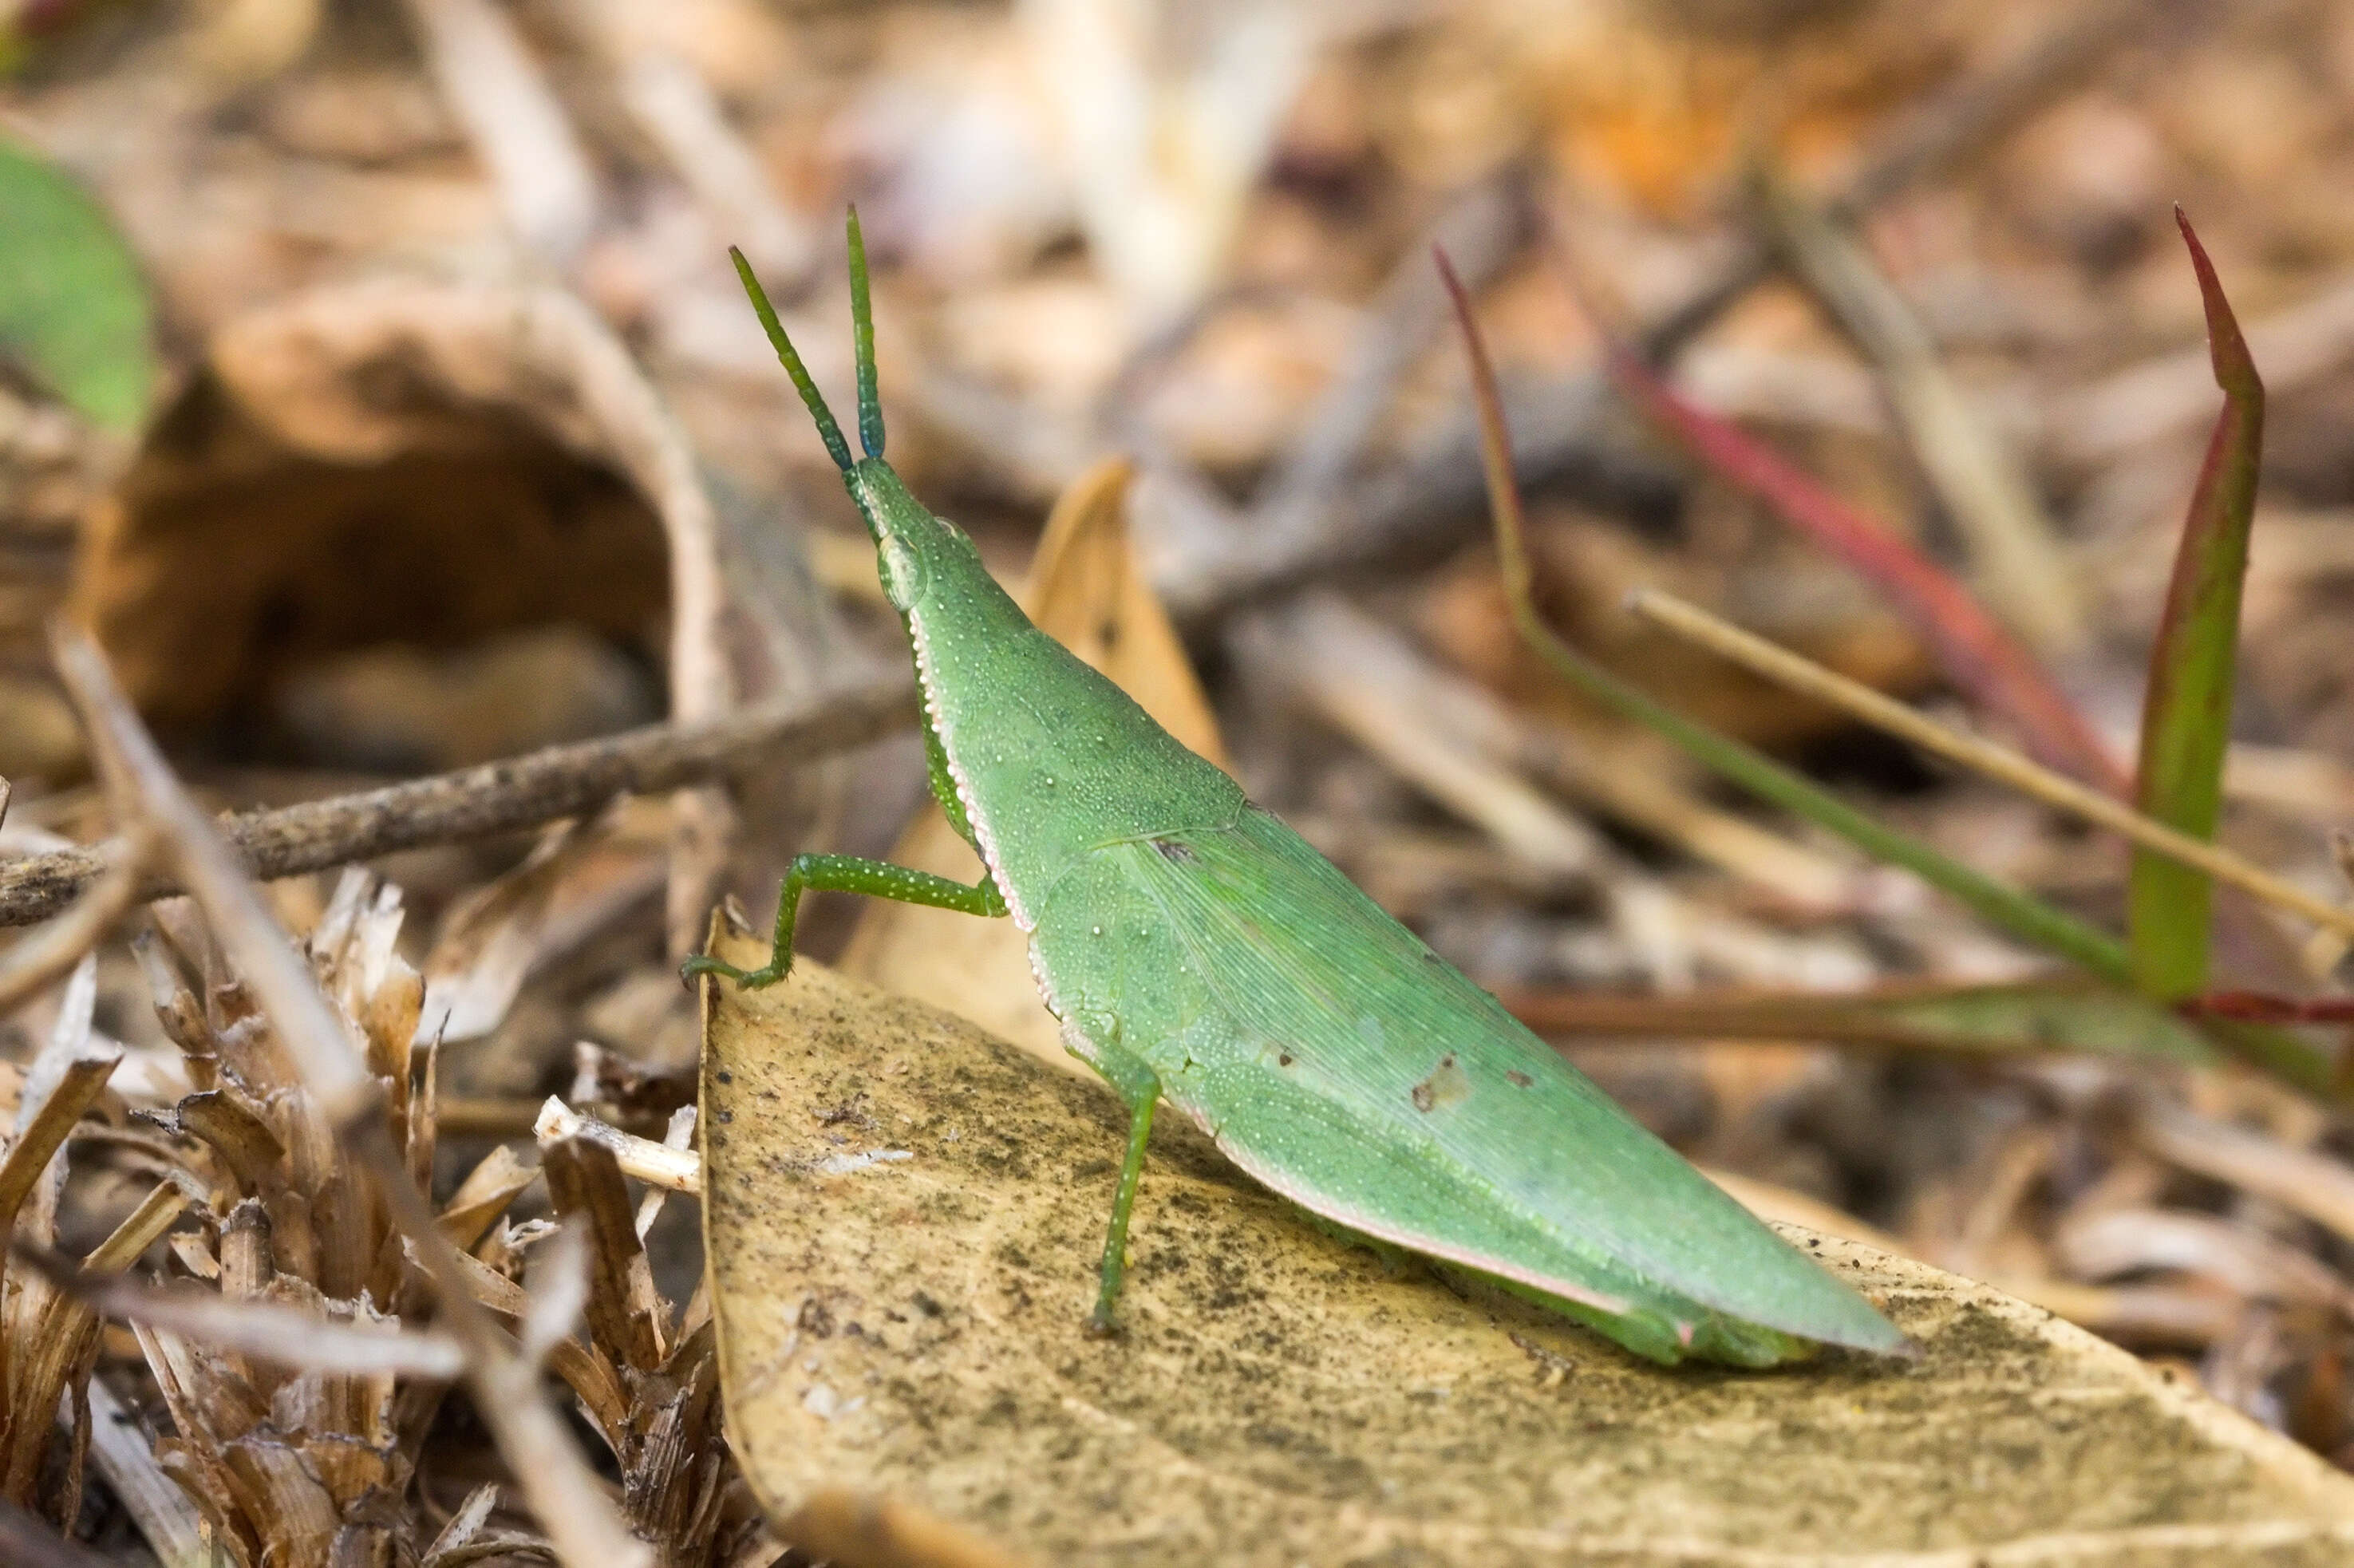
[1197, 950]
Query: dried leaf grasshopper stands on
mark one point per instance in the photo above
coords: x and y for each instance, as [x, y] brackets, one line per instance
[1197, 950]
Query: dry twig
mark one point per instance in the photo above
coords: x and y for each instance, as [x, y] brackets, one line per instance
[46, 956]
[126, 1457]
[1946, 132]
[673, 1167]
[495, 797]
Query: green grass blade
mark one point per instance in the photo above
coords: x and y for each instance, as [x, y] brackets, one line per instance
[73, 308]
[2185, 719]
[2286, 1056]
[2020, 914]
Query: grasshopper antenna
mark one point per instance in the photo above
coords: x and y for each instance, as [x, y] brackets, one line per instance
[861, 338]
[788, 355]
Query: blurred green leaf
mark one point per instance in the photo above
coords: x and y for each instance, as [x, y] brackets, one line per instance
[2186, 720]
[73, 308]
[2285, 1055]
[2020, 913]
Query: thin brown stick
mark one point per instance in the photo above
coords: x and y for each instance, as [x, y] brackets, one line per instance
[1997, 762]
[49, 953]
[285, 1335]
[572, 1505]
[520, 792]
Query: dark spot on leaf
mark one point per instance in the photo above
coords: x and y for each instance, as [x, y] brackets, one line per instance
[1446, 1085]
[926, 1306]
[1552, 1365]
[724, 1077]
[815, 1320]
[1176, 851]
[1283, 1060]
[850, 1109]
[1518, 1079]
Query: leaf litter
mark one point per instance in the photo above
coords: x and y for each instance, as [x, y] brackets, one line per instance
[1268, 356]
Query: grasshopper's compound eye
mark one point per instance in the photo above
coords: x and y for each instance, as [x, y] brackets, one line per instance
[903, 575]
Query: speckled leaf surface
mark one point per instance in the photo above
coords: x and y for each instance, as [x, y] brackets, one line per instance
[903, 1214]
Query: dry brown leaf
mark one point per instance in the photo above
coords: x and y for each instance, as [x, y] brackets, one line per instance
[903, 1221]
[1087, 591]
[429, 463]
[396, 461]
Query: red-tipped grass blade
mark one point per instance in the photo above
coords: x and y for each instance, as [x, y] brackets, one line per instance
[2186, 722]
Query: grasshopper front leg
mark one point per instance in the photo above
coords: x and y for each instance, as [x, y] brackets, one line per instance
[849, 873]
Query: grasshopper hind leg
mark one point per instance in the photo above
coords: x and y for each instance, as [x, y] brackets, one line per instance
[1139, 1090]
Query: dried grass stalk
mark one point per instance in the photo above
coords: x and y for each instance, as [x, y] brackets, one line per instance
[290, 1469]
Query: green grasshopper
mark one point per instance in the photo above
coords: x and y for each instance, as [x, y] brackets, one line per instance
[1197, 950]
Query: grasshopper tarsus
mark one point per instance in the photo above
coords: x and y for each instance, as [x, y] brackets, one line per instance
[746, 979]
